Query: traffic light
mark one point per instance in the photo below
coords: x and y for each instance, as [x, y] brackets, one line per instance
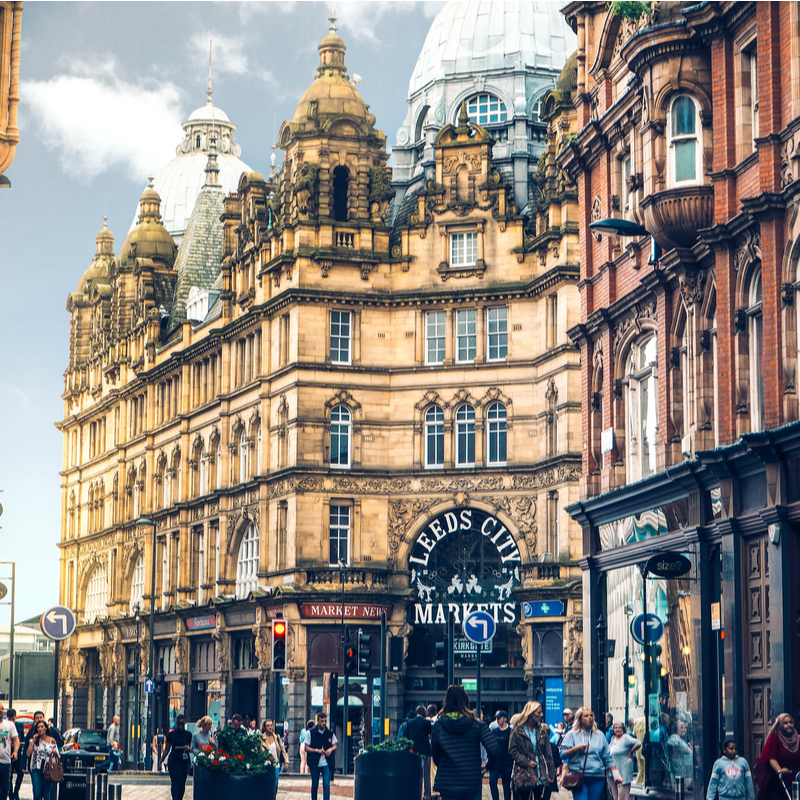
[132, 675]
[279, 646]
[628, 674]
[441, 658]
[350, 660]
[364, 652]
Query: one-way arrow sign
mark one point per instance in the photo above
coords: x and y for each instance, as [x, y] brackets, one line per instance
[479, 627]
[655, 628]
[57, 623]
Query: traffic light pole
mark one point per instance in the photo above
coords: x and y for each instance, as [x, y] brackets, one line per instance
[384, 732]
[345, 700]
[647, 678]
[450, 647]
[478, 682]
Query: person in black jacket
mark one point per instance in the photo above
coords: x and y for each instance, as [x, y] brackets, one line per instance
[456, 744]
[319, 748]
[419, 731]
[503, 764]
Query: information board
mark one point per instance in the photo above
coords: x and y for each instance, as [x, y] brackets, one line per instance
[553, 701]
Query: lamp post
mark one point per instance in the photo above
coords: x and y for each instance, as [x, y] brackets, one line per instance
[624, 227]
[602, 629]
[148, 753]
[11, 632]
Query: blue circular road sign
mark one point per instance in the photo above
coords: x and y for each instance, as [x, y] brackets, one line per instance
[655, 628]
[149, 685]
[479, 627]
[57, 623]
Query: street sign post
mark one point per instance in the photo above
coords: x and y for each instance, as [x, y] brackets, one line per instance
[655, 628]
[479, 627]
[57, 623]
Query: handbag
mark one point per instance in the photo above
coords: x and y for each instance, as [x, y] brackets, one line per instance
[53, 769]
[574, 780]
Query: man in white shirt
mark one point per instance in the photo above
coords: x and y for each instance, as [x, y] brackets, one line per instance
[9, 751]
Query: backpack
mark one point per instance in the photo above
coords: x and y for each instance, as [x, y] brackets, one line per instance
[53, 769]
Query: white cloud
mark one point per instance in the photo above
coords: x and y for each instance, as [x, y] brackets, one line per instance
[100, 121]
[227, 53]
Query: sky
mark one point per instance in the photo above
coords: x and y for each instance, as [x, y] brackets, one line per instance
[104, 88]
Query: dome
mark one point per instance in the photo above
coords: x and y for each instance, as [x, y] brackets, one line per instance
[149, 239]
[568, 80]
[98, 269]
[481, 36]
[179, 182]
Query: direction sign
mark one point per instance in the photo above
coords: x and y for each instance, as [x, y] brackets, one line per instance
[149, 685]
[57, 623]
[479, 627]
[655, 628]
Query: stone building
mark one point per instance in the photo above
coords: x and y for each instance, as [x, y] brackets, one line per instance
[10, 33]
[341, 395]
[687, 119]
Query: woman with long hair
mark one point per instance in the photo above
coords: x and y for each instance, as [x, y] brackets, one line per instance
[779, 761]
[40, 748]
[584, 749]
[623, 749]
[274, 744]
[529, 746]
[456, 740]
[202, 736]
[305, 737]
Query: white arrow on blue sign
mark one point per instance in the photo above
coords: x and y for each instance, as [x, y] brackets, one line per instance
[655, 628]
[57, 623]
[149, 685]
[480, 627]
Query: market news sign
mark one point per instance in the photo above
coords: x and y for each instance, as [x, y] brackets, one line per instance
[464, 560]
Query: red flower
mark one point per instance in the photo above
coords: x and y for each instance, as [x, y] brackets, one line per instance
[240, 757]
[214, 762]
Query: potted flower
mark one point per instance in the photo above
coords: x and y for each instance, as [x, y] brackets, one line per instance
[237, 764]
[390, 770]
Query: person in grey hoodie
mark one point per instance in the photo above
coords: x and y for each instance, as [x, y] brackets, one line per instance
[730, 776]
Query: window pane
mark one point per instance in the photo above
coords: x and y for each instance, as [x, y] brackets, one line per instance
[685, 164]
[340, 337]
[339, 535]
[497, 329]
[434, 437]
[496, 417]
[435, 337]
[465, 436]
[463, 249]
[340, 437]
[683, 117]
[466, 335]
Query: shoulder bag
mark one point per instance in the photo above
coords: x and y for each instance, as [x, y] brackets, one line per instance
[53, 769]
[574, 780]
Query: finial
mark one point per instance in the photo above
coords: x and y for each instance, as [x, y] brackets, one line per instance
[209, 101]
[105, 222]
[463, 119]
[151, 182]
[332, 20]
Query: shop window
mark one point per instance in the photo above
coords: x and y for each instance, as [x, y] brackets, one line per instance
[466, 335]
[434, 337]
[137, 582]
[641, 408]
[434, 437]
[497, 333]
[339, 535]
[247, 563]
[756, 331]
[496, 438]
[463, 247]
[340, 337]
[486, 109]
[465, 436]
[97, 594]
[684, 149]
[340, 437]
[340, 181]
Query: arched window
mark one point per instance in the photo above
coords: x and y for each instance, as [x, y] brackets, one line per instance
[259, 451]
[683, 148]
[486, 109]
[137, 582]
[201, 466]
[421, 120]
[496, 430]
[247, 563]
[243, 458]
[97, 594]
[136, 498]
[687, 376]
[756, 331]
[465, 436]
[434, 437]
[641, 408]
[340, 437]
[340, 181]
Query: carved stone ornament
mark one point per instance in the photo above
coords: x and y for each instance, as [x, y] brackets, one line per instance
[748, 250]
[691, 284]
[597, 214]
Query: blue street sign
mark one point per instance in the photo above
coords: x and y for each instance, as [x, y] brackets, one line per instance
[149, 685]
[655, 628]
[480, 627]
[57, 623]
[543, 608]
[553, 701]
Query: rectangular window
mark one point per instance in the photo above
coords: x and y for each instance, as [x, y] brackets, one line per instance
[624, 191]
[463, 249]
[201, 566]
[434, 337]
[497, 333]
[466, 332]
[340, 535]
[340, 337]
[552, 319]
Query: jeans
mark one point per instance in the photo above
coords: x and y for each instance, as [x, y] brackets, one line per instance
[594, 787]
[326, 782]
[19, 770]
[5, 780]
[504, 774]
[43, 789]
[529, 794]
[477, 796]
[426, 778]
[178, 770]
[114, 760]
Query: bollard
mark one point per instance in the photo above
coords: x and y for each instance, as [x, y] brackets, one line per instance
[795, 790]
[102, 786]
[680, 788]
[90, 783]
[116, 791]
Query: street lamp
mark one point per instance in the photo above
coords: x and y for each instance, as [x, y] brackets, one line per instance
[148, 753]
[624, 227]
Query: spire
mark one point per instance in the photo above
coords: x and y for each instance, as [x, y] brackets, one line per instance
[209, 92]
[212, 168]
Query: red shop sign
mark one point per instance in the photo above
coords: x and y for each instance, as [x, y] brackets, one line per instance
[351, 611]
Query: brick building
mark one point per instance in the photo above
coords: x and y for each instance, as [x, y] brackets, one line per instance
[688, 118]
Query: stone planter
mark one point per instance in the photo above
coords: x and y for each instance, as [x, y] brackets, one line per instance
[208, 785]
[388, 776]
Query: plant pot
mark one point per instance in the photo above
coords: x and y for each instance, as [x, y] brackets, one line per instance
[388, 775]
[208, 785]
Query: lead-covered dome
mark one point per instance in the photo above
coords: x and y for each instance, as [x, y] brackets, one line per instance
[481, 36]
